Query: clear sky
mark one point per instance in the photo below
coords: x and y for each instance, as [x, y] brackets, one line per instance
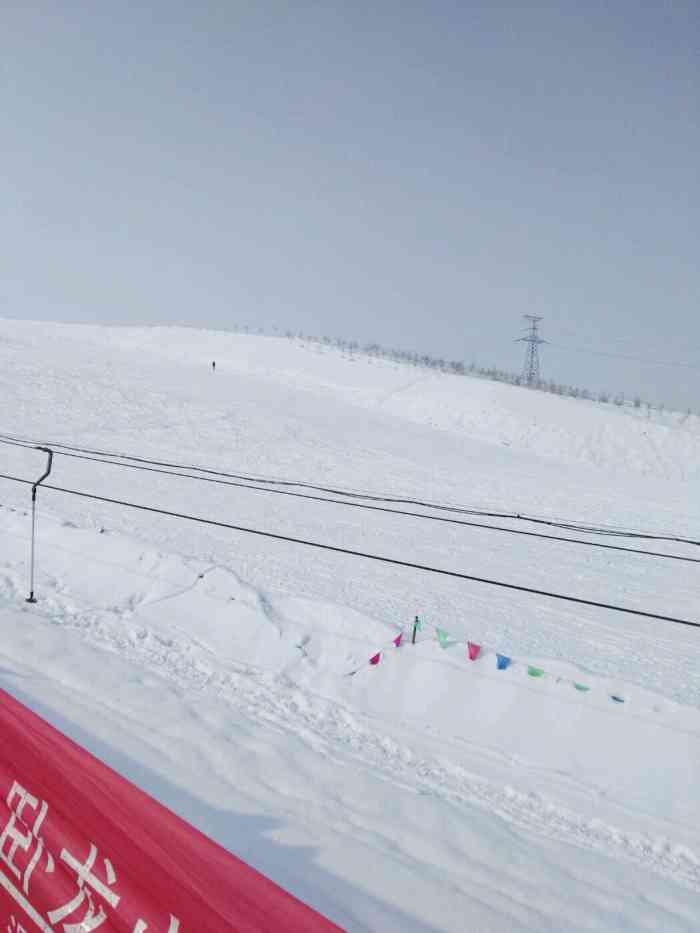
[419, 174]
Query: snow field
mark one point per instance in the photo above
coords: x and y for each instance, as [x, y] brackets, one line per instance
[429, 792]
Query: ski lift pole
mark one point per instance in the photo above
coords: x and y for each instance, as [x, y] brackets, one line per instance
[416, 626]
[31, 598]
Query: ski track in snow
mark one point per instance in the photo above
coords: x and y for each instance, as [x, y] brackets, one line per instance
[333, 730]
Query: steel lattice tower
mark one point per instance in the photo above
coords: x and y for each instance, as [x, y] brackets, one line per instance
[531, 369]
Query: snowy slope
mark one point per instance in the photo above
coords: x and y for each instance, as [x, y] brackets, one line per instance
[428, 792]
[623, 440]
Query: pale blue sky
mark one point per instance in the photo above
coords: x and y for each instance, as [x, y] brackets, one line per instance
[420, 174]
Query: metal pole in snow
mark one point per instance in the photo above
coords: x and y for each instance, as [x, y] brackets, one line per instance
[415, 629]
[31, 598]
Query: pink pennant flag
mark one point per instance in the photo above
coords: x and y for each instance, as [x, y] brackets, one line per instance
[397, 640]
[473, 650]
[375, 659]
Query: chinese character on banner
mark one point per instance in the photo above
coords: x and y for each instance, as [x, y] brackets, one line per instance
[174, 927]
[88, 882]
[14, 927]
[22, 833]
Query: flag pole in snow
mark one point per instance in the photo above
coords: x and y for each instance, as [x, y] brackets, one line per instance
[31, 598]
[415, 629]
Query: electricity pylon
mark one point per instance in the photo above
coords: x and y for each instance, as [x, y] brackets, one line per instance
[531, 369]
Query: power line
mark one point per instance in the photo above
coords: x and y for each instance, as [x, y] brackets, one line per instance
[383, 509]
[624, 356]
[554, 523]
[375, 557]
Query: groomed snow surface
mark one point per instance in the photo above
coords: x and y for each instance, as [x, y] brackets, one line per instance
[211, 667]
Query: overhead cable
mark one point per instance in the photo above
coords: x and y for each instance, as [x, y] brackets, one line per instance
[624, 356]
[384, 509]
[564, 525]
[374, 557]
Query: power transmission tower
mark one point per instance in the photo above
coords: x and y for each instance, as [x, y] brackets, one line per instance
[531, 369]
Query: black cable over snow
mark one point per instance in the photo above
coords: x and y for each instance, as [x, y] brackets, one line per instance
[384, 509]
[375, 557]
[565, 525]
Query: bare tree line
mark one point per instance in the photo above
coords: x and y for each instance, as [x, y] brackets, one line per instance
[458, 368]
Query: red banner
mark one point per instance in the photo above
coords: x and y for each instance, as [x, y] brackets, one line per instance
[83, 849]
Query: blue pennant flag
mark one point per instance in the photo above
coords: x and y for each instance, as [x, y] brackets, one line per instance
[502, 662]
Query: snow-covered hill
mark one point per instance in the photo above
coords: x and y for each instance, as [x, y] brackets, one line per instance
[428, 792]
[573, 431]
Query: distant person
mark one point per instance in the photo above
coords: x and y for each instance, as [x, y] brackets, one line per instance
[213, 365]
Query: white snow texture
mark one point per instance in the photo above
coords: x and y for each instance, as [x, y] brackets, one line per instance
[210, 666]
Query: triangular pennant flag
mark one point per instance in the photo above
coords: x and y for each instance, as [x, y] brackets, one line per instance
[418, 625]
[473, 650]
[535, 671]
[616, 698]
[502, 662]
[397, 640]
[582, 687]
[442, 637]
[375, 659]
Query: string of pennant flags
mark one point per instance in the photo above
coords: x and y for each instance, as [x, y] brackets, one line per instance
[477, 651]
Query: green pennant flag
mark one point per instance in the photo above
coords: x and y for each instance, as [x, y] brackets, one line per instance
[535, 671]
[442, 637]
[418, 625]
[582, 687]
